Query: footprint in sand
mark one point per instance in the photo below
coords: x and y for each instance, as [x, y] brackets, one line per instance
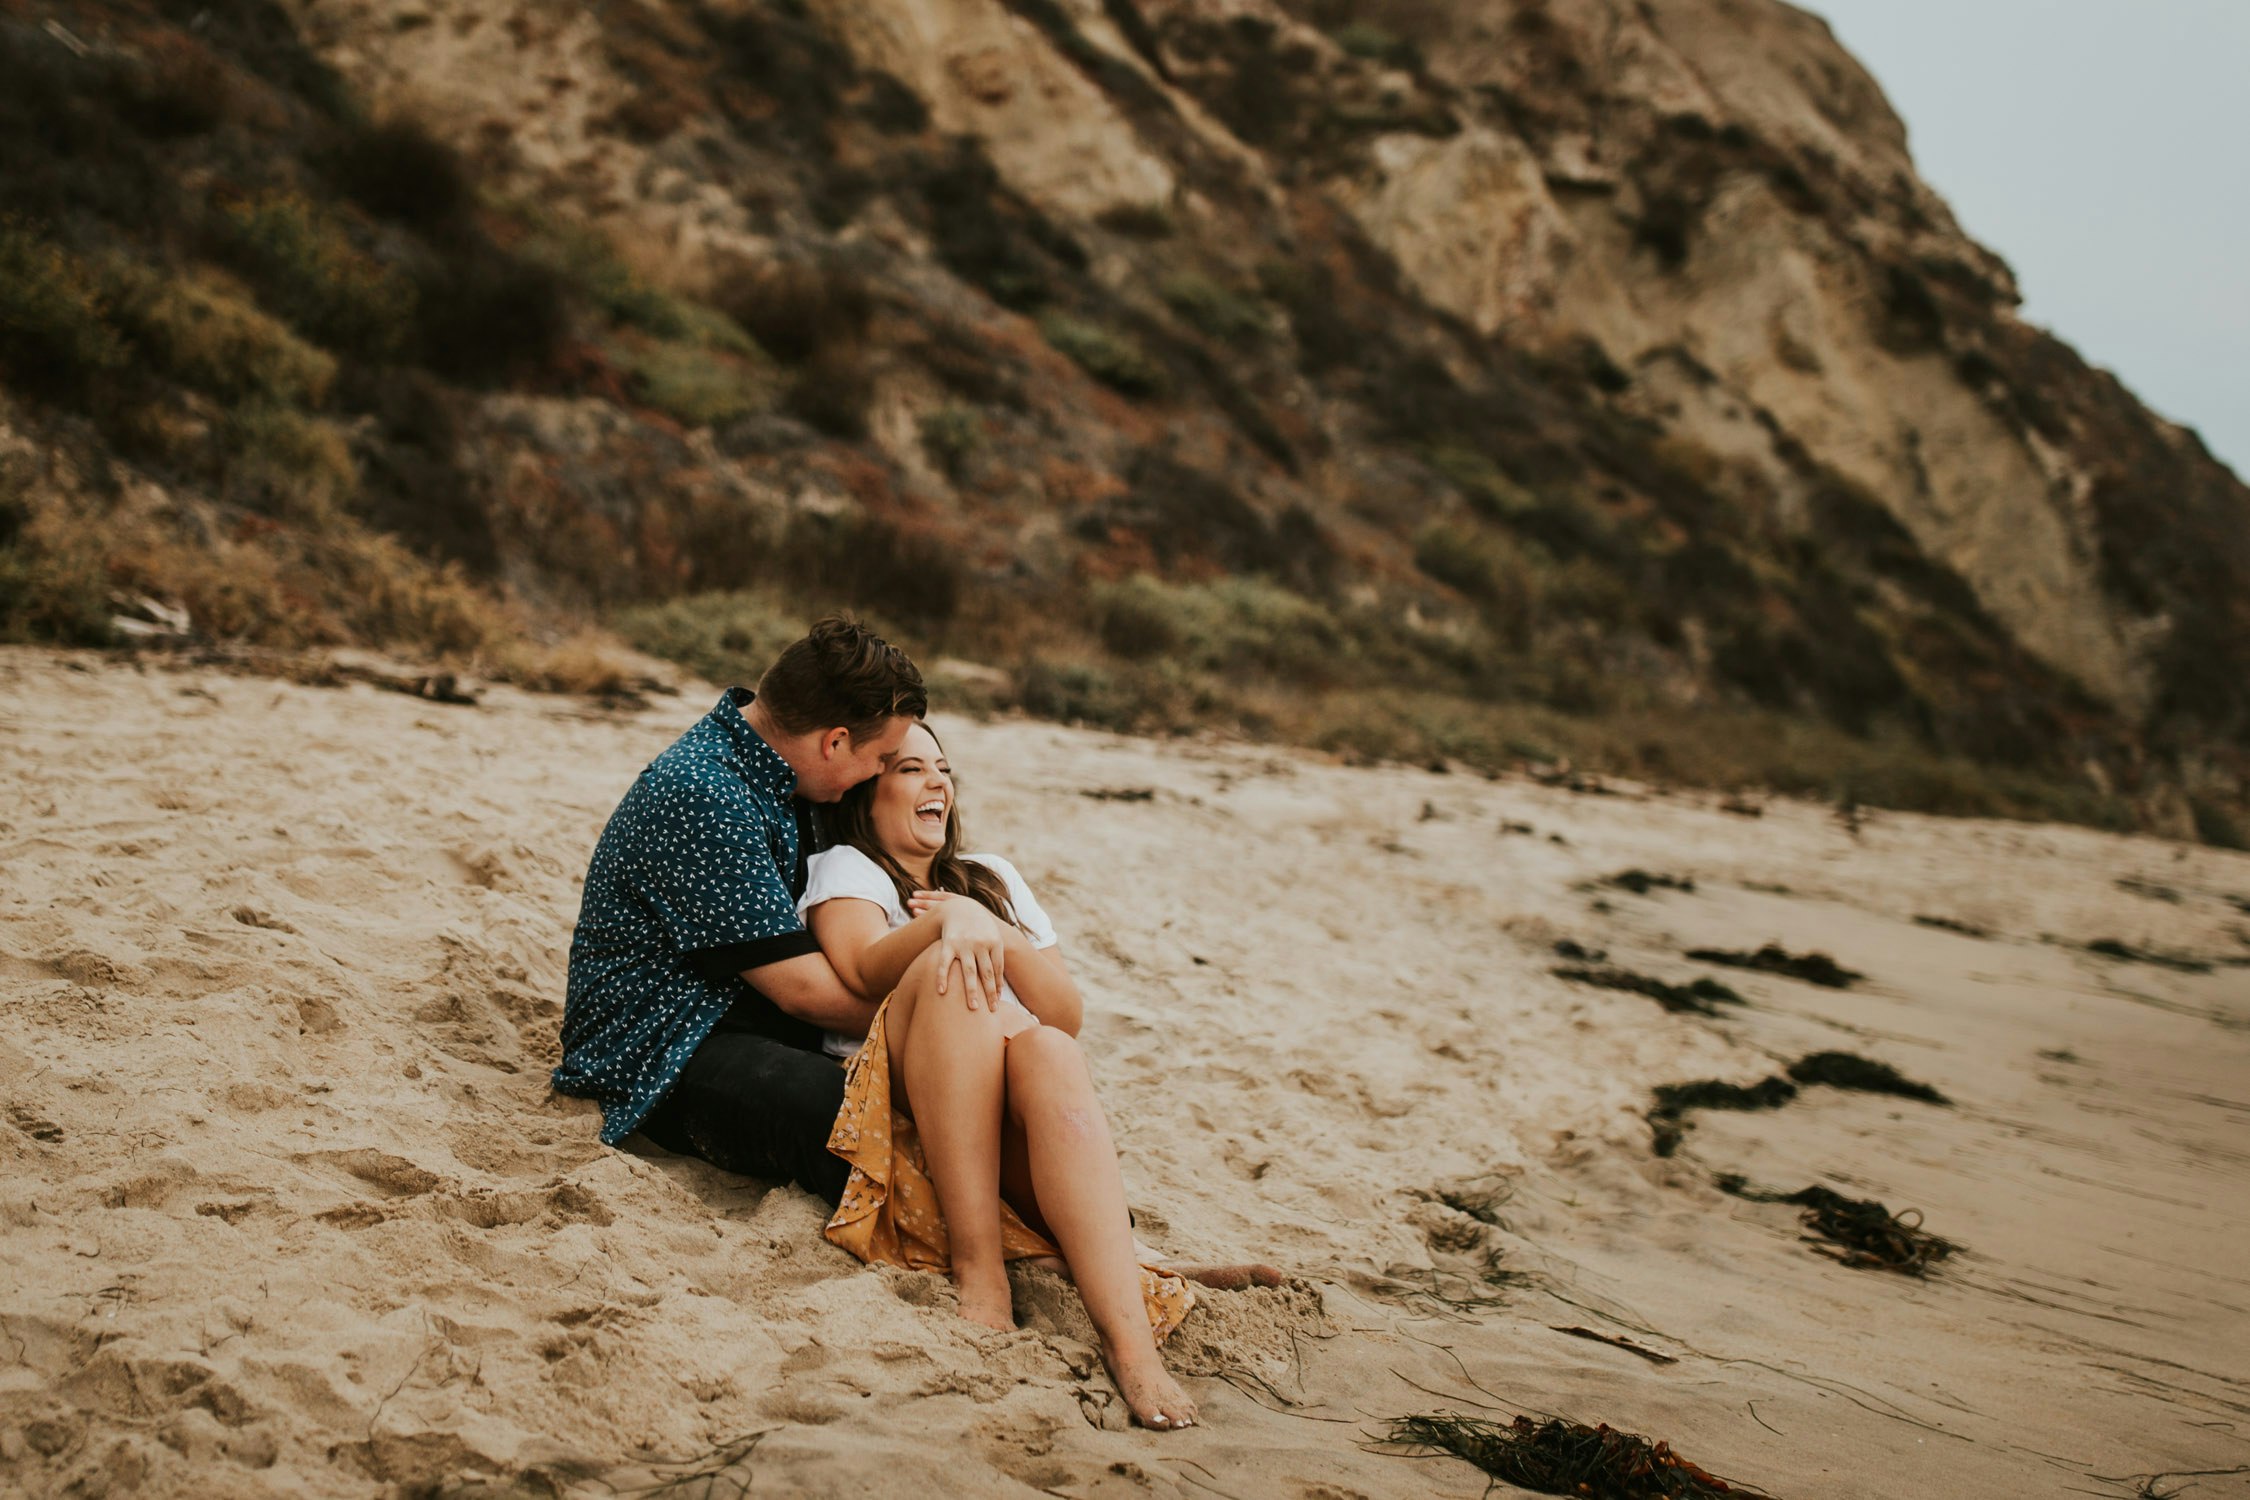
[34, 1124]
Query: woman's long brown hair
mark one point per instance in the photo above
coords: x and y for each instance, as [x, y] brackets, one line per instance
[855, 825]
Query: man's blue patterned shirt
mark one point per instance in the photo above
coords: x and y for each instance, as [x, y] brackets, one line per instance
[691, 883]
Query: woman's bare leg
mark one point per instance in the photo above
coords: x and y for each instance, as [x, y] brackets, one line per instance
[948, 1064]
[1074, 1173]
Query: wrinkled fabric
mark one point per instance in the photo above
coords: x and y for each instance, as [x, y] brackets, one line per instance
[746, 1103]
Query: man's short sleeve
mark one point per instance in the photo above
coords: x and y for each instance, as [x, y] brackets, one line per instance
[714, 875]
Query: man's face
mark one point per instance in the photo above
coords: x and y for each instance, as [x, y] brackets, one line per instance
[846, 762]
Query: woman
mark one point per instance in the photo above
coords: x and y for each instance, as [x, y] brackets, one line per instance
[969, 1117]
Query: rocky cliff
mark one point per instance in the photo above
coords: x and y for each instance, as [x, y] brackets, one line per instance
[1526, 378]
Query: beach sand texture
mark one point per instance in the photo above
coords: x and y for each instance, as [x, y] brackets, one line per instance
[287, 1209]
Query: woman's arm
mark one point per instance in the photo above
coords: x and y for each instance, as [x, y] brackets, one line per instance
[1043, 985]
[871, 959]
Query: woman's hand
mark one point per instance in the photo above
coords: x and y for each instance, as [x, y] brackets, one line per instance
[970, 936]
[921, 903]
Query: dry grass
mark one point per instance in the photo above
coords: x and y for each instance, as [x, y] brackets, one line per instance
[54, 324]
[303, 257]
[287, 464]
[585, 661]
[206, 331]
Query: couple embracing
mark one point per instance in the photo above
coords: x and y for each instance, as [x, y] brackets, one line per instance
[786, 964]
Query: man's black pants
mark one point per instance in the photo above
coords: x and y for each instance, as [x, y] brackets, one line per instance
[750, 1104]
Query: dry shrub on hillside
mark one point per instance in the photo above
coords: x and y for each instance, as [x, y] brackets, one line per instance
[284, 463]
[64, 552]
[55, 333]
[952, 436]
[701, 386]
[1229, 626]
[395, 169]
[205, 331]
[1138, 221]
[721, 637]
[54, 585]
[908, 571]
[303, 257]
[1114, 358]
[583, 661]
[796, 308]
[1227, 315]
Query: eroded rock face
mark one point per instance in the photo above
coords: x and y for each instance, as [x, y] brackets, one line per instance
[984, 71]
[1708, 180]
[1722, 179]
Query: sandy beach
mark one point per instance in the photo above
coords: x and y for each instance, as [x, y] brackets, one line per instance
[288, 1209]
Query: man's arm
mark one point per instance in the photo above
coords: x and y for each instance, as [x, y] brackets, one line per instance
[807, 987]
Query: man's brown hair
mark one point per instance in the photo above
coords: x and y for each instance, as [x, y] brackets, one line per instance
[842, 675]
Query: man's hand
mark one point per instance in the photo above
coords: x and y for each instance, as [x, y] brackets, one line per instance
[971, 937]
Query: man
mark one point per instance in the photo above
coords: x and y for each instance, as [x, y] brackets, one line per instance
[697, 999]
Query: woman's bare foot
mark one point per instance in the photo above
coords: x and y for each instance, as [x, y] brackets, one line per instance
[1232, 1278]
[985, 1298]
[1151, 1394]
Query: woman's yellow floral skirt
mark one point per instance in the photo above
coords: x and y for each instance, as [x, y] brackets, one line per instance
[889, 1214]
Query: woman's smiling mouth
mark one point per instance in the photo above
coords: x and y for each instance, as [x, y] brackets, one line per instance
[931, 813]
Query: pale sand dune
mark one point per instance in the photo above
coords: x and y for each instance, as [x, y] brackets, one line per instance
[287, 1208]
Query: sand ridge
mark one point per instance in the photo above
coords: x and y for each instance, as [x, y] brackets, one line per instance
[288, 1208]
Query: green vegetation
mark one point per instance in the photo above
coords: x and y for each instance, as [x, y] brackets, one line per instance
[1365, 40]
[1229, 316]
[305, 264]
[952, 435]
[206, 333]
[54, 325]
[721, 637]
[694, 383]
[1111, 357]
[1233, 627]
[1481, 482]
[286, 464]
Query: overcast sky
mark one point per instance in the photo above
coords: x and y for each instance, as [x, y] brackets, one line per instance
[2103, 148]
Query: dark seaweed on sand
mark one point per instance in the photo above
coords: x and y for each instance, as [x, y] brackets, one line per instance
[1701, 997]
[1556, 1457]
[1954, 924]
[1641, 882]
[1867, 1233]
[1673, 1101]
[1847, 1070]
[1480, 1203]
[2180, 962]
[1836, 1070]
[1812, 968]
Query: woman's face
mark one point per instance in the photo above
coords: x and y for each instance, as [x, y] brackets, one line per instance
[913, 803]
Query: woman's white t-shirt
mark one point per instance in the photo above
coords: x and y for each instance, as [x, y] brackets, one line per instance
[845, 872]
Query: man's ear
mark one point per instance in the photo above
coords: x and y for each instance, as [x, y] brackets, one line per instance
[833, 743]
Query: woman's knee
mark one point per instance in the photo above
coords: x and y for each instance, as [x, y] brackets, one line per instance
[953, 1017]
[1045, 1062]
[920, 974]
